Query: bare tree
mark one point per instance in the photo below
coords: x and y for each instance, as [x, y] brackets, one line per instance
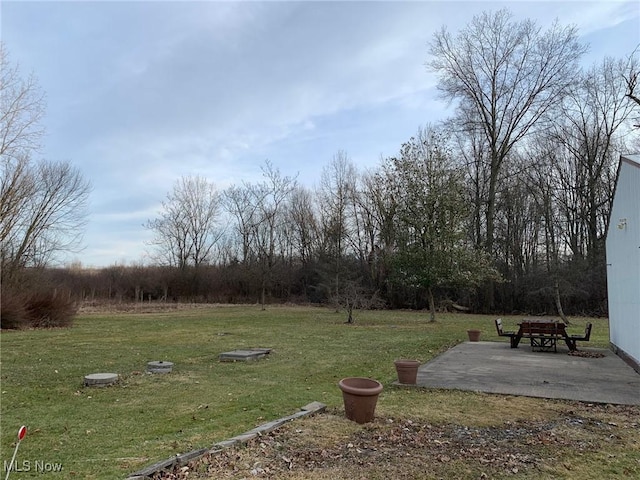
[471, 148]
[239, 202]
[379, 208]
[44, 212]
[588, 132]
[355, 296]
[631, 76]
[42, 203]
[368, 221]
[269, 228]
[506, 75]
[22, 106]
[263, 223]
[336, 191]
[261, 220]
[16, 188]
[302, 216]
[567, 188]
[187, 230]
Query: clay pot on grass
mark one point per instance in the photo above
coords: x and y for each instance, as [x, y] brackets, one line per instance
[360, 397]
[474, 335]
[407, 371]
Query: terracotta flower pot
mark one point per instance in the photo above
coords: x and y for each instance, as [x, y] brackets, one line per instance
[407, 371]
[360, 397]
[474, 335]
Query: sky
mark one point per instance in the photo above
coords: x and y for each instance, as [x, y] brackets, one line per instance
[141, 93]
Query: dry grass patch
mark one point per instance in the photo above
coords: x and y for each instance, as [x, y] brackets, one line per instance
[578, 441]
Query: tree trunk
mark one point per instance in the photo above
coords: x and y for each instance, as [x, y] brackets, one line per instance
[432, 306]
[489, 292]
[350, 313]
[559, 304]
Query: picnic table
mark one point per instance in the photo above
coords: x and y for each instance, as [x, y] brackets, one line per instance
[543, 334]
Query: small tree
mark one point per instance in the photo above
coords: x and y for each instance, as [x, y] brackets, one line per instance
[355, 296]
[431, 246]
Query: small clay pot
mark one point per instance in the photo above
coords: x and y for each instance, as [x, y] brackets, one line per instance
[474, 335]
[360, 396]
[407, 371]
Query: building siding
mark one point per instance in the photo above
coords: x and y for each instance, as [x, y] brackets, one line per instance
[623, 261]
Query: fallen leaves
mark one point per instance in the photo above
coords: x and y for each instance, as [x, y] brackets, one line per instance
[400, 448]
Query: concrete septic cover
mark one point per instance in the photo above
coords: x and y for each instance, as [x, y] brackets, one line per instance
[244, 355]
[100, 379]
[159, 366]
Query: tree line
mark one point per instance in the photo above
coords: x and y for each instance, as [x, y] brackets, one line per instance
[504, 207]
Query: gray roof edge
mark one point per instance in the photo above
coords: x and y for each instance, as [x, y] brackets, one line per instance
[633, 159]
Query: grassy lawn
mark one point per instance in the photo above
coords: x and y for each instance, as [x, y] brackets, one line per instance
[111, 432]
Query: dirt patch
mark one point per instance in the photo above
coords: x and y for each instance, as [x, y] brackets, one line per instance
[328, 446]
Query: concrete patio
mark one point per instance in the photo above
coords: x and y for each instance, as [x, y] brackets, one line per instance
[494, 367]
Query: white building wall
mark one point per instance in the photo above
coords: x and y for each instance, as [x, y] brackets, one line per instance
[623, 260]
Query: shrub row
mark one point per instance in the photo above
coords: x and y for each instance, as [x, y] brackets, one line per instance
[42, 308]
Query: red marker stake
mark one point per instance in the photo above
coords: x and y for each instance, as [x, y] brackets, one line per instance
[21, 434]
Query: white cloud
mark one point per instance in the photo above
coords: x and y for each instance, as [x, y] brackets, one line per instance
[141, 93]
[596, 16]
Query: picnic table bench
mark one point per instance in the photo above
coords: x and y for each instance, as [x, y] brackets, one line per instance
[543, 334]
[503, 333]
